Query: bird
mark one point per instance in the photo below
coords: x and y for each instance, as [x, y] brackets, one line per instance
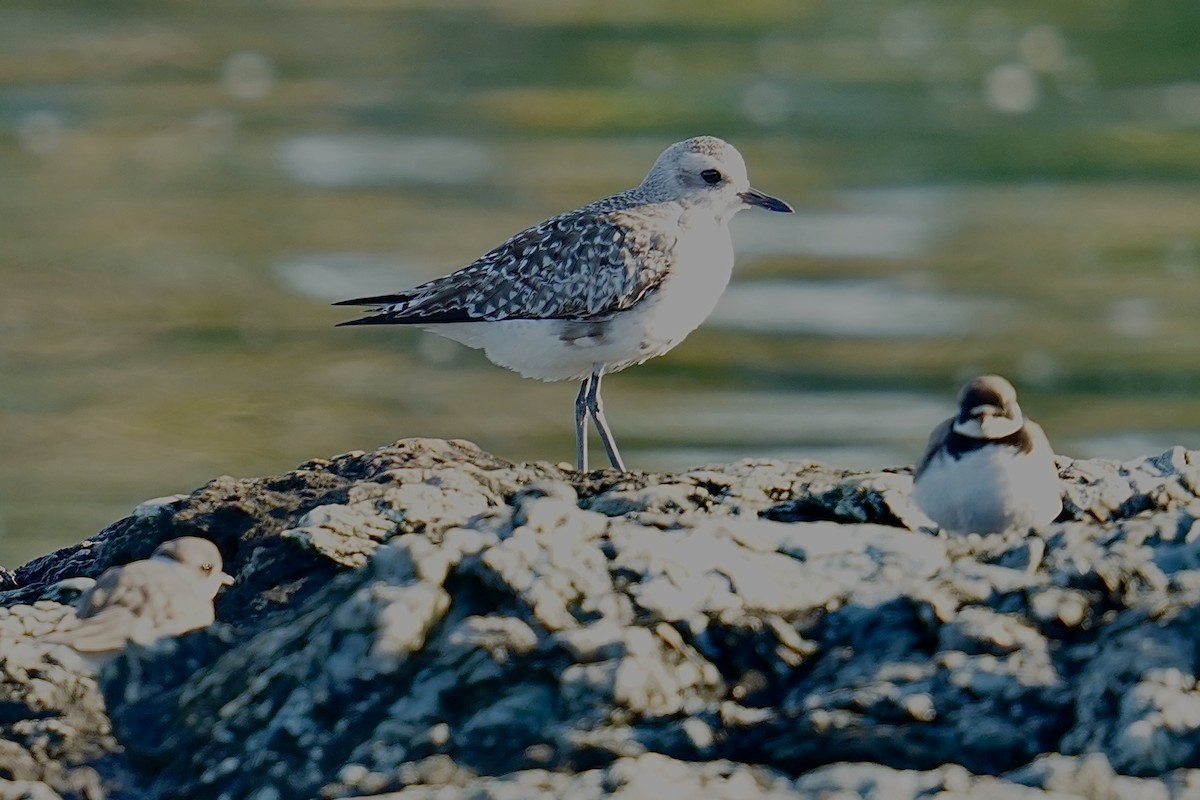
[165, 595]
[989, 468]
[597, 289]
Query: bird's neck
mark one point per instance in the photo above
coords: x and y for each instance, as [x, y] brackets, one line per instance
[703, 215]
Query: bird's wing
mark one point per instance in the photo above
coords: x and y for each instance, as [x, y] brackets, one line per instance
[1036, 439]
[106, 630]
[550, 271]
[127, 586]
[935, 439]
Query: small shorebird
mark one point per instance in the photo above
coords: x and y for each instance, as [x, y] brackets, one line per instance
[989, 469]
[165, 595]
[595, 290]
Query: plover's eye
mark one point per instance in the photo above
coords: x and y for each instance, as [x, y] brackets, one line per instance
[711, 176]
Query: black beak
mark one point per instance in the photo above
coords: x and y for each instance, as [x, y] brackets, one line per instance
[753, 197]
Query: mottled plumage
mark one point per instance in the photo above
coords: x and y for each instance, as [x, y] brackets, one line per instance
[988, 468]
[600, 288]
[165, 595]
[576, 266]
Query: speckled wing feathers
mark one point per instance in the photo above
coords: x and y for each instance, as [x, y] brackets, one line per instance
[580, 265]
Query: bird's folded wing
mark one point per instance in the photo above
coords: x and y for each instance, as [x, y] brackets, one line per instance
[129, 586]
[935, 439]
[108, 630]
[571, 267]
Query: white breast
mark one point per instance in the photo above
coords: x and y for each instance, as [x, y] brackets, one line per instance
[991, 489]
[700, 271]
[702, 268]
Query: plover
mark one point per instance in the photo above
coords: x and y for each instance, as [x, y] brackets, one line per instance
[165, 595]
[595, 290]
[988, 469]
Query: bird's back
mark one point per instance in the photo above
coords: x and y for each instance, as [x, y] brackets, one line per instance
[593, 261]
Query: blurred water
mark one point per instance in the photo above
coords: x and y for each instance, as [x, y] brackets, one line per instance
[857, 429]
[183, 188]
[869, 308]
[357, 160]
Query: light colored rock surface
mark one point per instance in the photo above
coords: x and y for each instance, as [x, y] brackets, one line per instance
[426, 620]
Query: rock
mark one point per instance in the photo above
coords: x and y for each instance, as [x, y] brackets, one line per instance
[427, 620]
[55, 735]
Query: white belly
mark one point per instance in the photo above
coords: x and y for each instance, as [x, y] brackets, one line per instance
[990, 490]
[555, 350]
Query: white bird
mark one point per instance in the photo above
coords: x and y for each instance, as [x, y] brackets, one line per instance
[165, 595]
[988, 469]
[595, 290]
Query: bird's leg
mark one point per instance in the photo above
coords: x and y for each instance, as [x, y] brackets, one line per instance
[596, 408]
[581, 412]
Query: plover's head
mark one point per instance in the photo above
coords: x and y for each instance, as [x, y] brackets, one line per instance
[707, 172]
[987, 409]
[198, 555]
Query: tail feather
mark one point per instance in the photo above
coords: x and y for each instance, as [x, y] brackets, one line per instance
[379, 319]
[412, 318]
[377, 300]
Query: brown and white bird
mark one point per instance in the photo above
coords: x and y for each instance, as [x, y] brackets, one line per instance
[595, 290]
[988, 469]
[165, 595]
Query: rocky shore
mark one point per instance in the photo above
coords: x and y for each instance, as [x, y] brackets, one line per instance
[429, 621]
